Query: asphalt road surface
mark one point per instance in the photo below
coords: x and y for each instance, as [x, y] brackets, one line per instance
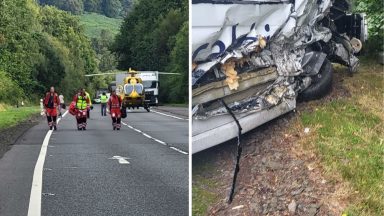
[140, 170]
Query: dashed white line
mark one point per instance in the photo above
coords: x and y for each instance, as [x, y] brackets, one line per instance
[156, 140]
[178, 150]
[147, 135]
[172, 116]
[34, 208]
[159, 141]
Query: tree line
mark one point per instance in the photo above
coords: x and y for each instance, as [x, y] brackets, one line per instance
[154, 36]
[41, 47]
[109, 8]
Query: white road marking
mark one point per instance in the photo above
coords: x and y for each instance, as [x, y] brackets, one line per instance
[178, 150]
[147, 135]
[172, 116]
[122, 160]
[159, 141]
[34, 208]
[156, 140]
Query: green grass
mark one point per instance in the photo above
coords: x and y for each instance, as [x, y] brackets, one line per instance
[93, 24]
[204, 188]
[202, 197]
[11, 116]
[349, 139]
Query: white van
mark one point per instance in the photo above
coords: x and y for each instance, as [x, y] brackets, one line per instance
[253, 59]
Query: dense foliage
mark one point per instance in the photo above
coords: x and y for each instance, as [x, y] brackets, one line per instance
[154, 36]
[41, 47]
[374, 9]
[110, 8]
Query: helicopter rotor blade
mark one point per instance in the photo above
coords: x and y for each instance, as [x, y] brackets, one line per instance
[168, 73]
[102, 74]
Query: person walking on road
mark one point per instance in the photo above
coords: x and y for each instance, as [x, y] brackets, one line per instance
[114, 105]
[51, 103]
[82, 103]
[62, 103]
[90, 104]
[103, 101]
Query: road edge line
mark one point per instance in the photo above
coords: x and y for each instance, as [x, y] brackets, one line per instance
[34, 208]
[172, 116]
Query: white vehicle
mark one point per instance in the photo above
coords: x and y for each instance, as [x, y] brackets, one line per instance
[253, 58]
[151, 86]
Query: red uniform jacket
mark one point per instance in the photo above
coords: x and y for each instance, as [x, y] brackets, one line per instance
[114, 104]
[51, 104]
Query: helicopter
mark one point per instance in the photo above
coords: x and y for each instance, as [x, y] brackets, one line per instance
[131, 90]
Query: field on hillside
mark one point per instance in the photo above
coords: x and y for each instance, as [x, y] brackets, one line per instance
[93, 24]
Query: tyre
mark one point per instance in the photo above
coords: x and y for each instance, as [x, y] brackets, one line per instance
[321, 83]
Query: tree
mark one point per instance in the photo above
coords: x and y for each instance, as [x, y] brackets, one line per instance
[374, 10]
[111, 8]
[152, 31]
[40, 47]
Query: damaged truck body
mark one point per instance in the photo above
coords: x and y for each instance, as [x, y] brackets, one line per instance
[253, 59]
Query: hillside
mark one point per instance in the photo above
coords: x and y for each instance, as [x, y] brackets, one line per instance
[94, 23]
[109, 8]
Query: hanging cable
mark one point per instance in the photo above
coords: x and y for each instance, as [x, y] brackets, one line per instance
[239, 150]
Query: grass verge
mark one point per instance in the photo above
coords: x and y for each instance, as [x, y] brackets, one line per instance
[203, 188]
[12, 116]
[202, 197]
[348, 138]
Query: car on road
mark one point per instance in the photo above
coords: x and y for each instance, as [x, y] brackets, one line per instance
[253, 59]
[97, 100]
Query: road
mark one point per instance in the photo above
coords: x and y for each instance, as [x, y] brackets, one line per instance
[140, 170]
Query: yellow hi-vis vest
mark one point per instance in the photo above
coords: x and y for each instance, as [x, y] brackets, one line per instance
[103, 99]
[90, 100]
[81, 102]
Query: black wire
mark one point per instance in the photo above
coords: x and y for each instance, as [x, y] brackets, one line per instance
[239, 150]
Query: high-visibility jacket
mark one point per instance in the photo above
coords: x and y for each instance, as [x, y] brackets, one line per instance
[81, 101]
[90, 101]
[103, 99]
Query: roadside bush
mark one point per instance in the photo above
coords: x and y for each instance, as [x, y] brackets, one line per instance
[10, 92]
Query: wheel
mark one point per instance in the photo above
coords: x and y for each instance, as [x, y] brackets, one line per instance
[321, 83]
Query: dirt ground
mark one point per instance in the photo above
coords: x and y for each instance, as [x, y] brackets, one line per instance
[9, 136]
[277, 176]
